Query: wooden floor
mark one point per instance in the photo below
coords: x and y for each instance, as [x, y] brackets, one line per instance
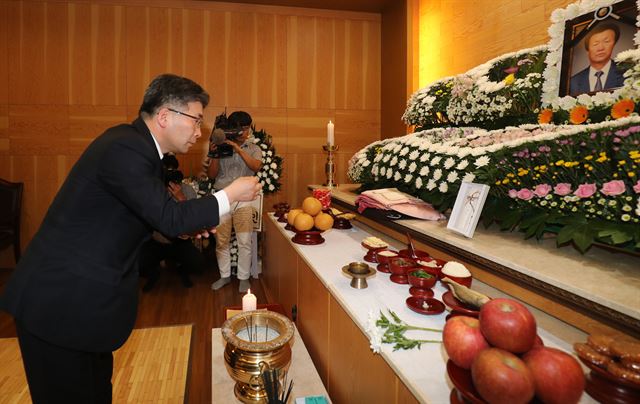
[169, 303]
[151, 367]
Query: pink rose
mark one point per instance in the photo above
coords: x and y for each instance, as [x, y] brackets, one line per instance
[613, 188]
[562, 189]
[542, 190]
[636, 187]
[585, 190]
[513, 193]
[525, 194]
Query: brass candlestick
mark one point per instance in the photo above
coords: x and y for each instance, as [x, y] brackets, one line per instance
[330, 166]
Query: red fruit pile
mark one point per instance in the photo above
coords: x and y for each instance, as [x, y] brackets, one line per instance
[508, 361]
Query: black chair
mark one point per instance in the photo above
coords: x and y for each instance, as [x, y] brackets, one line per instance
[10, 208]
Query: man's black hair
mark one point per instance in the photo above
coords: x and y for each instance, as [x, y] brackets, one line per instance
[240, 118]
[169, 89]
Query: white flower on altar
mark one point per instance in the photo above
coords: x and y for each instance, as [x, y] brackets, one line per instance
[271, 187]
[424, 157]
[386, 158]
[462, 165]
[268, 180]
[366, 163]
[269, 153]
[383, 171]
[431, 184]
[418, 183]
[437, 174]
[452, 177]
[389, 174]
[375, 336]
[482, 161]
[448, 163]
[412, 166]
[638, 207]
[403, 164]
[270, 172]
[397, 176]
[404, 151]
[273, 165]
[435, 160]
[276, 176]
[469, 177]
[443, 187]
[397, 148]
[424, 171]
[414, 155]
[408, 178]
[394, 161]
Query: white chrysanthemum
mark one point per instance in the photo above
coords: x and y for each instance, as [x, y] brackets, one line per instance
[389, 174]
[424, 171]
[450, 162]
[482, 161]
[412, 167]
[462, 165]
[452, 177]
[404, 151]
[397, 176]
[408, 178]
[414, 155]
[386, 158]
[383, 171]
[443, 187]
[394, 161]
[366, 163]
[418, 183]
[271, 187]
[424, 157]
[403, 164]
[431, 184]
[276, 176]
[469, 177]
[437, 174]
[273, 165]
[435, 160]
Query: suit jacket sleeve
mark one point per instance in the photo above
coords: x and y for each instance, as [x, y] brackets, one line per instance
[128, 171]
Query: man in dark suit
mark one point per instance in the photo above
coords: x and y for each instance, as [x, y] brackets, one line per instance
[602, 72]
[74, 292]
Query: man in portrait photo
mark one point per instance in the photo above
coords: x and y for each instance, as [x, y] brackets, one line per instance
[602, 72]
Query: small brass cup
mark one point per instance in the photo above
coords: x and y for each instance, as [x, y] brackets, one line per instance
[359, 272]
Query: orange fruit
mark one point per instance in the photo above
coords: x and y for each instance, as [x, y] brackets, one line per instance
[323, 221]
[291, 216]
[303, 222]
[311, 205]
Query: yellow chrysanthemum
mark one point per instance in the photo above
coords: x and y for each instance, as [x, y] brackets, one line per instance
[509, 79]
[578, 115]
[622, 108]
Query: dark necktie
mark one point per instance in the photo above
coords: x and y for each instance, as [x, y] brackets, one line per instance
[598, 86]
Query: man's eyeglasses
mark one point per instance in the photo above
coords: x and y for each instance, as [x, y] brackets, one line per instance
[195, 118]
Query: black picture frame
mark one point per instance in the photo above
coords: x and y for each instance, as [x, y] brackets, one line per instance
[624, 14]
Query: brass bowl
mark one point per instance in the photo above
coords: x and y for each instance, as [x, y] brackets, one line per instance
[243, 354]
[359, 272]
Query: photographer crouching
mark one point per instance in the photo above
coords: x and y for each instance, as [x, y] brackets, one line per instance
[232, 155]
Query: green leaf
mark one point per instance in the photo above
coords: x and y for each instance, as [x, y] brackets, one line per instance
[566, 234]
[617, 236]
[510, 219]
[583, 240]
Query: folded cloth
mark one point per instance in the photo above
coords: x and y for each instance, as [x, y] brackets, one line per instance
[392, 199]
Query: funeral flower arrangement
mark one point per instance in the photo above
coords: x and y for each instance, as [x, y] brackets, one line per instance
[271, 171]
[503, 91]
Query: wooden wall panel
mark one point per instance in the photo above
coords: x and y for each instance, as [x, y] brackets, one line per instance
[37, 51]
[96, 54]
[71, 69]
[454, 36]
[4, 62]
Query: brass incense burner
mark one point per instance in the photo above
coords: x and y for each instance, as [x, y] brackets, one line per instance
[254, 338]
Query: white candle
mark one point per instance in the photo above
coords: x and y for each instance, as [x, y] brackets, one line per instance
[330, 133]
[249, 301]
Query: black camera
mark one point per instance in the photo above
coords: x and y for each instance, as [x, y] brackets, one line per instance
[223, 129]
[171, 172]
[173, 176]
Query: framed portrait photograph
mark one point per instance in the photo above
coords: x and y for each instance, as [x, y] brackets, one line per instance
[467, 208]
[591, 42]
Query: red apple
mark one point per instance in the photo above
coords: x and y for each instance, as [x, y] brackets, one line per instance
[557, 376]
[507, 324]
[463, 340]
[501, 377]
